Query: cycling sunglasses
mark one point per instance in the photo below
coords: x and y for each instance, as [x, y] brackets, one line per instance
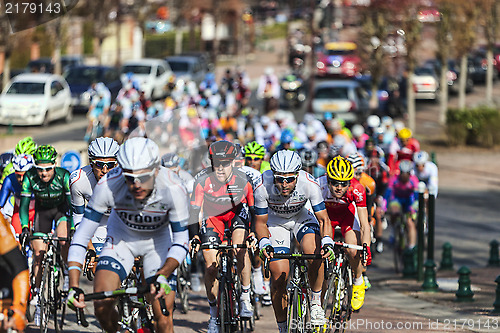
[138, 178]
[224, 163]
[46, 168]
[102, 164]
[282, 179]
[255, 158]
[336, 183]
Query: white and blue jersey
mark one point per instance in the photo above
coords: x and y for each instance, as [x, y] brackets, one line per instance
[140, 228]
[289, 214]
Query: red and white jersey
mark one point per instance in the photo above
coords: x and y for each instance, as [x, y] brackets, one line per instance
[356, 194]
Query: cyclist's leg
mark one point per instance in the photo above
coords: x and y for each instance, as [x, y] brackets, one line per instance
[239, 226]
[114, 264]
[41, 225]
[410, 223]
[280, 240]
[62, 231]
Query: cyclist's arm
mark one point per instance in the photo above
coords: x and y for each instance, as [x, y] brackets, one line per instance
[261, 211]
[318, 206]
[67, 193]
[364, 225]
[77, 198]
[433, 180]
[5, 191]
[24, 206]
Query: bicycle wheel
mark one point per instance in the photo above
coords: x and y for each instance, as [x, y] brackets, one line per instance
[183, 287]
[44, 299]
[57, 279]
[343, 310]
[295, 320]
[399, 244]
[224, 309]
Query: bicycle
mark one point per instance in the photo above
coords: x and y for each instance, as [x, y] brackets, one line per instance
[338, 294]
[183, 283]
[228, 294]
[299, 291]
[400, 240]
[136, 313]
[51, 295]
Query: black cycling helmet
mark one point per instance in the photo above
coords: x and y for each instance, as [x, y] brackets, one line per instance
[309, 157]
[222, 150]
[170, 160]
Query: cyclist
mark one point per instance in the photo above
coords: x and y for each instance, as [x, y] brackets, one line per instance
[172, 161]
[406, 146]
[99, 108]
[102, 155]
[280, 201]
[254, 156]
[148, 219]
[12, 186]
[14, 280]
[426, 171]
[402, 198]
[50, 187]
[345, 200]
[309, 163]
[24, 146]
[225, 195]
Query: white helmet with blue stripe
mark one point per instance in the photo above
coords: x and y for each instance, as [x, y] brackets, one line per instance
[22, 162]
[103, 147]
[286, 161]
[138, 153]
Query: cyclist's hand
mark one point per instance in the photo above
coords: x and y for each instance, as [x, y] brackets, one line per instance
[368, 261]
[251, 241]
[24, 237]
[160, 287]
[76, 298]
[267, 252]
[194, 245]
[13, 318]
[327, 252]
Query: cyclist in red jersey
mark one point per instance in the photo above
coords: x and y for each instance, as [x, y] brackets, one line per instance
[224, 195]
[345, 200]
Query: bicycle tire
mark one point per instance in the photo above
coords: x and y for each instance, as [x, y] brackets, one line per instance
[224, 327]
[57, 279]
[44, 298]
[399, 244]
[183, 288]
[295, 321]
[343, 314]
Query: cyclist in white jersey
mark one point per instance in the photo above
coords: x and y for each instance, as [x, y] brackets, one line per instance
[426, 171]
[280, 201]
[146, 199]
[102, 155]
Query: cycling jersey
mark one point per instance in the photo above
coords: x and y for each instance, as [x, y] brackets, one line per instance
[187, 180]
[429, 176]
[342, 211]
[268, 199]
[265, 166]
[225, 205]
[14, 276]
[140, 225]
[82, 183]
[54, 194]
[9, 169]
[403, 194]
[10, 187]
[368, 182]
[253, 174]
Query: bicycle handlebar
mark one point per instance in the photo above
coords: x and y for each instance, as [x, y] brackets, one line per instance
[80, 315]
[50, 237]
[214, 246]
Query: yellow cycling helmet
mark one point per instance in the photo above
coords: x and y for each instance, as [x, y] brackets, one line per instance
[339, 168]
[405, 133]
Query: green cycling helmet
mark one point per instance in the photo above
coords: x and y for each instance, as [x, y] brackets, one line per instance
[26, 146]
[45, 154]
[253, 148]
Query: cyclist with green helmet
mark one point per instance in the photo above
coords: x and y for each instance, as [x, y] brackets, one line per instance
[50, 186]
[254, 157]
[24, 146]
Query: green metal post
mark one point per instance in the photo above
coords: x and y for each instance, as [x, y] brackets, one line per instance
[464, 292]
[430, 283]
[496, 304]
[430, 230]
[446, 258]
[494, 259]
[420, 234]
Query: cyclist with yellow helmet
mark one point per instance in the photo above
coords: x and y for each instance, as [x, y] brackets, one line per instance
[345, 201]
[50, 186]
[406, 146]
[254, 157]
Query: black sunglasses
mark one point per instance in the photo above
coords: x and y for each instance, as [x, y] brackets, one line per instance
[224, 163]
[102, 164]
[249, 158]
[138, 178]
[282, 179]
[336, 183]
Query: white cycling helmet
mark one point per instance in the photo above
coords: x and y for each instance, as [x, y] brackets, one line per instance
[103, 147]
[420, 157]
[22, 162]
[405, 166]
[373, 121]
[356, 161]
[286, 161]
[357, 130]
[138, 153]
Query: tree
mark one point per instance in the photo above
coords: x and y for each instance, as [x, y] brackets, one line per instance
[464, 34]
[5, 47]
[443, 40]
[488, 20]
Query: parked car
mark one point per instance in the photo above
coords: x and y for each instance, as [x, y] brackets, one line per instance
[35, 99]
[425, 83]
[187, 68]
[477, 64]
[452, 76]
[80, 79]
[338, 59]
[46, 65]
[344, 99]
[152, 74]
